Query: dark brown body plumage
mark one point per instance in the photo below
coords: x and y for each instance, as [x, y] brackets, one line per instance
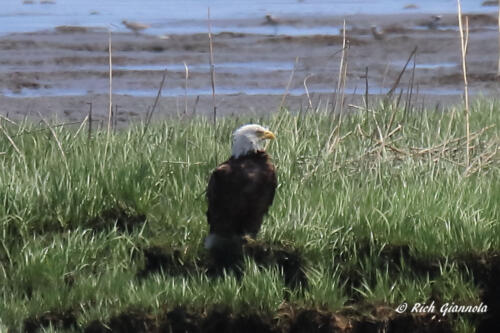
[239, 194]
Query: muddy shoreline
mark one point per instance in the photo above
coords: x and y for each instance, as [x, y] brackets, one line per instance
[58, 72]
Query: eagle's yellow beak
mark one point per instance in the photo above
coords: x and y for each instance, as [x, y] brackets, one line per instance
[268, 135]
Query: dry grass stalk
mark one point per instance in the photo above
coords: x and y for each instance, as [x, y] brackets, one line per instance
[344, 79]
[451, 147]
[437, 152]
[110, 111]
[391, 120]
[498, 69]
[212, 67]
[379, 141]
[307, 91]
[366, 89]
[448, 131]
[410, 89]
[290, 79]
[186, 88]
[8, 120]
[90, 121]
[81, 126]
[59, 145]
[357, 107]
[24, 132]
[398, 79]
[282, 103]
[212, 81]
[457, 141]
[485, 159]
[342, 75]
[10, 139]
[463, 44]
[328, 148]
[149, 115]
[380, 135]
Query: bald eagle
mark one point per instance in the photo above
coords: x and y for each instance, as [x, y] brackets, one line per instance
[240, 190]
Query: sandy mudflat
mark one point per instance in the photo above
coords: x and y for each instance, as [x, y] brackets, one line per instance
[58, 72]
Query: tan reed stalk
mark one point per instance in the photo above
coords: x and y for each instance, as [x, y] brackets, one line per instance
[212, 81]
[307, 91]
[344, 77]
[212, 67]
[90, 121]
[366, 90]
[110, 110]
[498, 69]
[115, 117]
[290, 79]
[463, 43]
[8, 120]
[82, 125]
[282, 103]
[410, 89]
[341, 72]
[186, 88]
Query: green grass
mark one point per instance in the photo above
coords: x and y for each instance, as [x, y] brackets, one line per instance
[348, 204]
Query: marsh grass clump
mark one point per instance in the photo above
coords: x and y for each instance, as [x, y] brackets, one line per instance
[378, 210]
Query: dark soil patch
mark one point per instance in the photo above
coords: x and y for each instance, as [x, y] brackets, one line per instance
[395, 254]
[170, 261]
[230, 255]
[319, 321]
[385, 319]
[71, 29]
[289, 261]
[61, 320]
[426, 323]
[125, 219]
[480, 19]
[180, 320]
[396, 29]
[221, 319]
[313, 40]
[486, 269]
[126, 322]
[473, 77]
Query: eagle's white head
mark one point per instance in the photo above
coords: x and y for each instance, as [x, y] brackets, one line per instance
[249, 138]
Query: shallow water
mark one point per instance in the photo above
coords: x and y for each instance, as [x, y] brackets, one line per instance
[179, 92]
[224, 67]
[189, 16]
[427, 65]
